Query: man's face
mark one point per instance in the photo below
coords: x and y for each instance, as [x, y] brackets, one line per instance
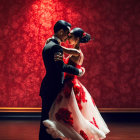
[65, 35]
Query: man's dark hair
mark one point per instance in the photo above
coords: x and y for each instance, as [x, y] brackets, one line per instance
[61, 24]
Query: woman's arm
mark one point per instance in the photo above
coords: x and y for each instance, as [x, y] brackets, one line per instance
[71, 51]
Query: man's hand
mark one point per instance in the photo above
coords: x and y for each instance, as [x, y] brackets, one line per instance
[81, 71]
[58, 57]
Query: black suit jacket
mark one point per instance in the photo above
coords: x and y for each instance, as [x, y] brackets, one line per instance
[53, 81]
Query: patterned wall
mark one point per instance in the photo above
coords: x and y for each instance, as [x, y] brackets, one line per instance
[111, 59]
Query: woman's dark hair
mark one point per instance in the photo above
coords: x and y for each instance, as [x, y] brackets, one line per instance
[61, 24]
[78, 32]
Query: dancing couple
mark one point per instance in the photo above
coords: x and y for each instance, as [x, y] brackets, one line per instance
[68, 110]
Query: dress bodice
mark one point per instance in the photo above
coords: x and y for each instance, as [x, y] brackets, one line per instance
[68, 75]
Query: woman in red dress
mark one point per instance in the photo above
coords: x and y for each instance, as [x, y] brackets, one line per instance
[74, 115]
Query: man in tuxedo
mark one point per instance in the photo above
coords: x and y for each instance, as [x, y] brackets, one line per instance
[53, 81]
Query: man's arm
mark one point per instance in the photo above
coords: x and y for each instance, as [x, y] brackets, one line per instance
[64, 67]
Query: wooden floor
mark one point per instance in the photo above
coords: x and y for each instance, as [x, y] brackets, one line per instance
[29, 129]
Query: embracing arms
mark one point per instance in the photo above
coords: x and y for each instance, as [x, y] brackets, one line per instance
[71, 51]
[58, 51]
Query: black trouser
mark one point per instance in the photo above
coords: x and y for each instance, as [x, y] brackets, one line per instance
[46, 105]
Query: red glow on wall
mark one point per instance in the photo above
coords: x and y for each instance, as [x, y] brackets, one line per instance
[111, 60]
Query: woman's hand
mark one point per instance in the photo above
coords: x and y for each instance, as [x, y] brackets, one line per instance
[58, 57]
[48, 40]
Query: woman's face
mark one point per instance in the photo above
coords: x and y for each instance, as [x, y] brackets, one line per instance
[72, 39]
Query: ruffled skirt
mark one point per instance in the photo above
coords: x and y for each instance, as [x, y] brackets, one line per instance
[74, 115]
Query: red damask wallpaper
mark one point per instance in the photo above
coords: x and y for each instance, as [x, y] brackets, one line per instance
[112, 57]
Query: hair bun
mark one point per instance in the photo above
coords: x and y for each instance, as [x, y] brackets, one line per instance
[85, 38]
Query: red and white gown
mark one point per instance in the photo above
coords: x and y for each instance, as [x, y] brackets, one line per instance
[74, 115]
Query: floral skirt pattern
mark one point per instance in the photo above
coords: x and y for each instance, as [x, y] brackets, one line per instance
[74, 115]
